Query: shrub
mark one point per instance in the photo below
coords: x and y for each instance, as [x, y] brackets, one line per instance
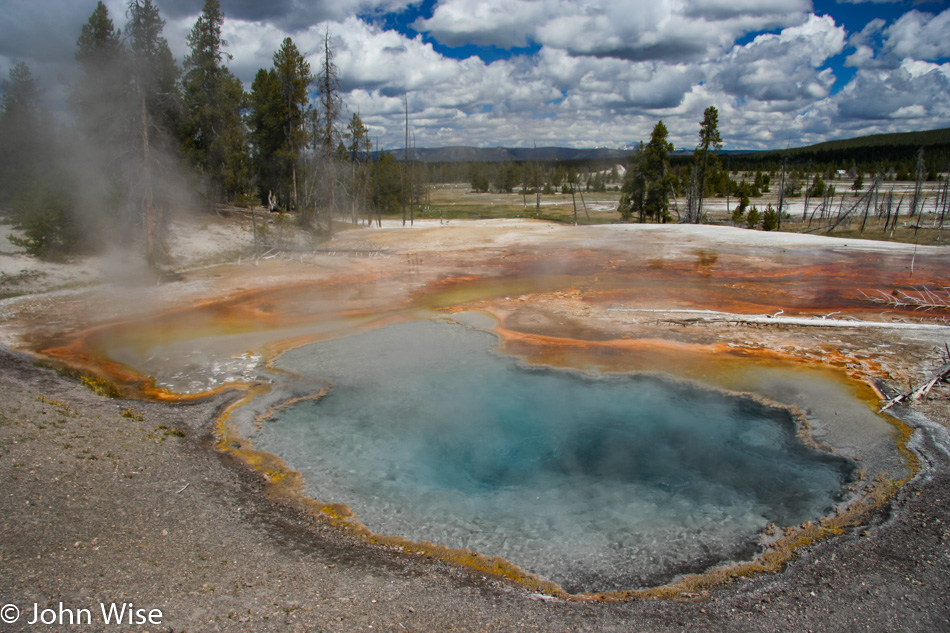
[737, 214]
[46, 218]
[752, 219]
[770, 219]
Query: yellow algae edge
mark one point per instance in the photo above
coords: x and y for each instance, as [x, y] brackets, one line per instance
[282, 483]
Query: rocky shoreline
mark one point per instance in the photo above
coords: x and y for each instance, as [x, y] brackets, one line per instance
[121, 501]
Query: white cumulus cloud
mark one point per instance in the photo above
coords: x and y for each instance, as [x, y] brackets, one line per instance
[639, 30]
[920, 36]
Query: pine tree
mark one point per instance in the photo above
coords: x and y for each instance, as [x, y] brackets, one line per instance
[293, 78]
[213, 132]
[104, 80]
[155, 80]
[30, 185]
[155, 73]
[709, 139]
[633, 189]
[753, 218]
[358, 153]
[770, 219]
[20, 126]
[267, 134]
[279, 116]
[858, 183]
[360, 145]
[386, 188]
[656, 171]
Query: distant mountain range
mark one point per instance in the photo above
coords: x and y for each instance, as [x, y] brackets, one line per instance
[458, 154]
[465, 154]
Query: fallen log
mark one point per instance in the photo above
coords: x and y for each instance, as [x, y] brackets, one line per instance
[711, 316]
[915, 393]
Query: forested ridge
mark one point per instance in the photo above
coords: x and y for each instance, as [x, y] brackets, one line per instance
[897, 152]
[146, 135]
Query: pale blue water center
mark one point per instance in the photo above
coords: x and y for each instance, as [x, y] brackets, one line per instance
[595, 482]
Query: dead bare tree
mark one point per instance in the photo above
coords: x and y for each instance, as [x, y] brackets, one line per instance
[807, 191]
[871, 198]
[781, 189]
[944, 201]
[332, 105]
[941, 374]
[918, 186]
[865, 200]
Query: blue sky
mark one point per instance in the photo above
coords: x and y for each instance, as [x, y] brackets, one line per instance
[581, 73]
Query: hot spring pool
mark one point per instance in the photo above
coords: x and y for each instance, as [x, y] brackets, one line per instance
[597, 482]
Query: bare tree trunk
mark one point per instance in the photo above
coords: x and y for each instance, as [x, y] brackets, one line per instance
[676, 207]
[890, 207]
[147, 181]
[574, 200]
[867, 206]
[821, 208]
[331, 201]
[897, 213]
[405, 165]
[728, 190]
[943, 208]
[584, 202]
[254, 225]
[293, 180]
[412, 191]
[805, 212]
[915, 201]
[354, 195]
[330, 107]
[781, 192]
[692, 200]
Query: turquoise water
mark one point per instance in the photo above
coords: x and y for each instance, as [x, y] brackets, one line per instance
[595, 482]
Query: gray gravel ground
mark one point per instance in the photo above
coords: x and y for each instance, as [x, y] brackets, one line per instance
[109, 501]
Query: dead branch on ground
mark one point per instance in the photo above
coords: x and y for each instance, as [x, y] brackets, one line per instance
[915, 393]
[920, 299]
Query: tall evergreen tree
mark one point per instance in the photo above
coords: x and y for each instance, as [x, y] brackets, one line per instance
[155, 73]
[20, 131]
[101, 96]
[279, 103]
[155, 81]
[293, 81]
[656, 173]
[633, 189]
[386, 184]
[30, 185]
[213, 132]
[360, 145]
[107, 117]
[709, 139]
[267, 134]
[359, 152]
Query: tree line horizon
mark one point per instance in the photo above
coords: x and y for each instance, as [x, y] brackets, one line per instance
[148, 135]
